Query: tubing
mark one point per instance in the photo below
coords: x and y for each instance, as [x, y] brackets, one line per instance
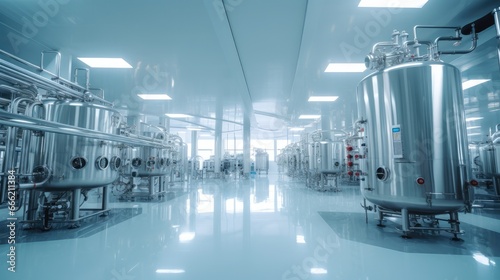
[35, 124]
[457, 28]
[27, 76]
[480, 24]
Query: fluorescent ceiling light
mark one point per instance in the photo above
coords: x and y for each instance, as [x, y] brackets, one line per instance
[473, 119]
[325, 98]
[193, 128]
[472, 83]
[296, 128]
[473, 127]
[186, 236]
[309, 117]
[177, 116]
[345, 67]
[172, 271]
[154, 96]
[318, 270]
[105, 62]
[392, 3]
[205, 135]
[300, 239]
[473, 134]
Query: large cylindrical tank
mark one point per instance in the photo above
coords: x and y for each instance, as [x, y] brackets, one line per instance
[415, 145]
[329, 156]
[146, 161]
[77, 161]
[262, 161]
[487, 159]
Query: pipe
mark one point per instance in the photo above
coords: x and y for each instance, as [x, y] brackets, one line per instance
[473, 46]
[35, 124]
[383, 44]
[57, 63]
[15, 71]
[431, 27]
[32, 93]
[160, 129]
[26, 141]
[33, 185]
[68, 83]
[87, 77]
[10, 145]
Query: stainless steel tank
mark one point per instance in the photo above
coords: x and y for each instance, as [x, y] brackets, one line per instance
[488, 159]
[77, 161]
[146, 161]
[416, 155]
[313, 150]
[261, 161]
[329, 156]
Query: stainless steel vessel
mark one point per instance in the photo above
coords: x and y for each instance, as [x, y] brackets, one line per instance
[261, 161]
[488, 159]
[77, 161]
[330, 156]
[146, 161]
[416, 155]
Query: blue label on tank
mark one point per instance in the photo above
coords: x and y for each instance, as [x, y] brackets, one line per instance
[396, 129]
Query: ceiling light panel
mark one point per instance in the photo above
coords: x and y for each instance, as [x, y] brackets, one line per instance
[329, 98]
[309, 117]
[177, 116]
[105, 62]
[154, 96]
[345, 68]
[415, 4]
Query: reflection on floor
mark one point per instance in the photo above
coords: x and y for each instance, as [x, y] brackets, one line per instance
[87, 227]
[475, 239]
[268, 227]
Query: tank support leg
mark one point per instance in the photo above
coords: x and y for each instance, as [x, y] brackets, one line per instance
[105, 201]
[455, 226]
[380, 218]
[75, 208]
[405, 223]
[366, 211]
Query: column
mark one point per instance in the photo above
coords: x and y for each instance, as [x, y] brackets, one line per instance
[246, 146]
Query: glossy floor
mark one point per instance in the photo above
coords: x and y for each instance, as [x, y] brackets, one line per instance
[269, 227]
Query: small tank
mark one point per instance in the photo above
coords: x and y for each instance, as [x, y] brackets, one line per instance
[78, 161]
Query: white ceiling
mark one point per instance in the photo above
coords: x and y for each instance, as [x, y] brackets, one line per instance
[230, 59]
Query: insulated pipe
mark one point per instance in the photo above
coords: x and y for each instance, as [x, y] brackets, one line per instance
[10, 145]
[26, 141]
[35, 124]
[40, 68]
[34, 185]
[457, 28]
[57, 63]
[161, 130]
[22, 74]
[87, 77]
[32, 93]
[473, 46]
[383, 44]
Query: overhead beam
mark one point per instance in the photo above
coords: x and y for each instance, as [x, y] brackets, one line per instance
[217, 11]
